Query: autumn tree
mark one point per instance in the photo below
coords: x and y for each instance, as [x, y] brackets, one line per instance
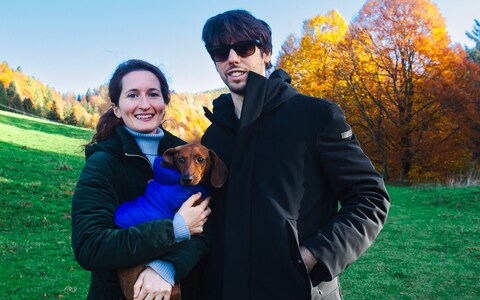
[396, 55]
[394, 74]
[312, 59]
[474, 56]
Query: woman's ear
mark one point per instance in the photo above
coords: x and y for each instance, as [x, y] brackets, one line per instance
[116, 111]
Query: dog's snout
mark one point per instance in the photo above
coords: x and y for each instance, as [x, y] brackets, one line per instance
[187, 179]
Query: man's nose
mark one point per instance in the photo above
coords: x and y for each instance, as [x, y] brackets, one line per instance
[233, 56]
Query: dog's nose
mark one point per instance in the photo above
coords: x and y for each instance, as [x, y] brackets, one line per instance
[187, 179]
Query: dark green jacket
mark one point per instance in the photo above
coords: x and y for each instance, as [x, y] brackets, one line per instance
[116, 171]
[293, 161]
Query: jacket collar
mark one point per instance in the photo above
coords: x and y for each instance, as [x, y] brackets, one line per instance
[117, 144]
[261, 95]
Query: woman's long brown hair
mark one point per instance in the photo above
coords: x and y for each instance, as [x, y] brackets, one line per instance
[108, 121]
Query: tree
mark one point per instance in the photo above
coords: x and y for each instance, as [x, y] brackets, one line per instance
[11, 91]
[311, 60]
[28, 106]
[474, 53]
[397, 79]
[3, 95]
[54, 113]
[396, 51]
[16, 103]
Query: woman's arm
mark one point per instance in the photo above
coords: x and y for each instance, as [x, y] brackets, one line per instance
[97, 243]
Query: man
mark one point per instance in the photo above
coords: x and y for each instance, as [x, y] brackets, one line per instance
[278, 231]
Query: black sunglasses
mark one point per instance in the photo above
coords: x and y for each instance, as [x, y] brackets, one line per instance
[242, 48]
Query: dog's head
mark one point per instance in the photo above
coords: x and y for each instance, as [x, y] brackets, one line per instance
[196, 164]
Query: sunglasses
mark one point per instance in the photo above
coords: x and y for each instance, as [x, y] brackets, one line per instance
[242, 48]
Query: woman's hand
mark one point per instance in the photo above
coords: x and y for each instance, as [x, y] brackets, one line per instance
[195, 216]
[150, 285]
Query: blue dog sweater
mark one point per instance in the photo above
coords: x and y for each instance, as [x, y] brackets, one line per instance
[163, 196]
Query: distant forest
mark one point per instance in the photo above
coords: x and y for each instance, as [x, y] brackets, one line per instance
[411, 96]
[24, 94]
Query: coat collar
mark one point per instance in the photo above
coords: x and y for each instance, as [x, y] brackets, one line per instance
[262, 95]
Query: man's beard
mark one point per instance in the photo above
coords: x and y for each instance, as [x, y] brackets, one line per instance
[237, 89]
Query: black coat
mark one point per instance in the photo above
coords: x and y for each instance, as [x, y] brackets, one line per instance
[292, 163]
[116, 171]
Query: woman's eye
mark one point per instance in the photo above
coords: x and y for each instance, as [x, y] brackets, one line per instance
[132, 96]
[154, 94]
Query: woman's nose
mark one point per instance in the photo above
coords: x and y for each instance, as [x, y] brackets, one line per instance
[144, 103]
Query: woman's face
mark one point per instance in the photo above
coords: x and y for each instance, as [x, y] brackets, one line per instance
[141, 105]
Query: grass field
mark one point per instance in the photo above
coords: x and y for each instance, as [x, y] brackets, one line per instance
[429, 248]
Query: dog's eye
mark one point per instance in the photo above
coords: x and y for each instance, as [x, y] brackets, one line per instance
[200, 159]
[181, 160]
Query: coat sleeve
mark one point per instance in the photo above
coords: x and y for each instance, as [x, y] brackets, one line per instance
[97, 243]
[186, 256]
[362, 195]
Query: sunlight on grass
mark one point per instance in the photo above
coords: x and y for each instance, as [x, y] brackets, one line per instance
[41, 141]
[430, 238]
[4, 180]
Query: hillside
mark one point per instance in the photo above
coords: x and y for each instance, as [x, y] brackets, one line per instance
[24, 94]
[428, 249]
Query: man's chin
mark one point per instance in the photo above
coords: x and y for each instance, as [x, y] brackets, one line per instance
[238, 89]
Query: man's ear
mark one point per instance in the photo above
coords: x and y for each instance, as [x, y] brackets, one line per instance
[267, 57]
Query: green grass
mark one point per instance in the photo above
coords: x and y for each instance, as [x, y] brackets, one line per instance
[39, 165]
[429, 248]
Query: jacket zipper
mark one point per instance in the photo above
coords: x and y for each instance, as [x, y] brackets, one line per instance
[140, 156]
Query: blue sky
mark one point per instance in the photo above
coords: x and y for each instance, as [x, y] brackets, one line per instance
[73, 45]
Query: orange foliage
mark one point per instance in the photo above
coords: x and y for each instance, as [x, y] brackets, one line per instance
[186, 117]
[312, 58]
[409, 97]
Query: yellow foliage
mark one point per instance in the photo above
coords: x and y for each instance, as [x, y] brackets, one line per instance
[398, 81]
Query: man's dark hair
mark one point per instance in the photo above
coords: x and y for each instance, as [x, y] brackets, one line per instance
[237, 25]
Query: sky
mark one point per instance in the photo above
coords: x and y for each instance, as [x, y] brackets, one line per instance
[73, 45]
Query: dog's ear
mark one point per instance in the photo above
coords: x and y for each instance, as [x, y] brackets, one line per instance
[168, 157]
[219, 173]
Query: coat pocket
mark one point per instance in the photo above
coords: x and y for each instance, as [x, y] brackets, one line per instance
[296, 257]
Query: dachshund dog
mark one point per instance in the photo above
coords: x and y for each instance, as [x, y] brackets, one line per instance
[196, 164]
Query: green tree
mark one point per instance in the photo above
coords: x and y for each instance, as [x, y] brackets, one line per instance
[16, 102]
[11, 91]
[474, 35]
[71, 119]
[54, 113]
[28, 106]
[3, 95]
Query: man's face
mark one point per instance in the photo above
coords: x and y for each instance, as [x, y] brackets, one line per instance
[234, 70]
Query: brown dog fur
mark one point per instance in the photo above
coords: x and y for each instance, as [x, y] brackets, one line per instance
[196, 164]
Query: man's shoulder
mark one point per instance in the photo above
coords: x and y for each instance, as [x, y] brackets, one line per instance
[311, 101]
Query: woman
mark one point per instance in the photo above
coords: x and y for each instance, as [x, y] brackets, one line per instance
[118, 167]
